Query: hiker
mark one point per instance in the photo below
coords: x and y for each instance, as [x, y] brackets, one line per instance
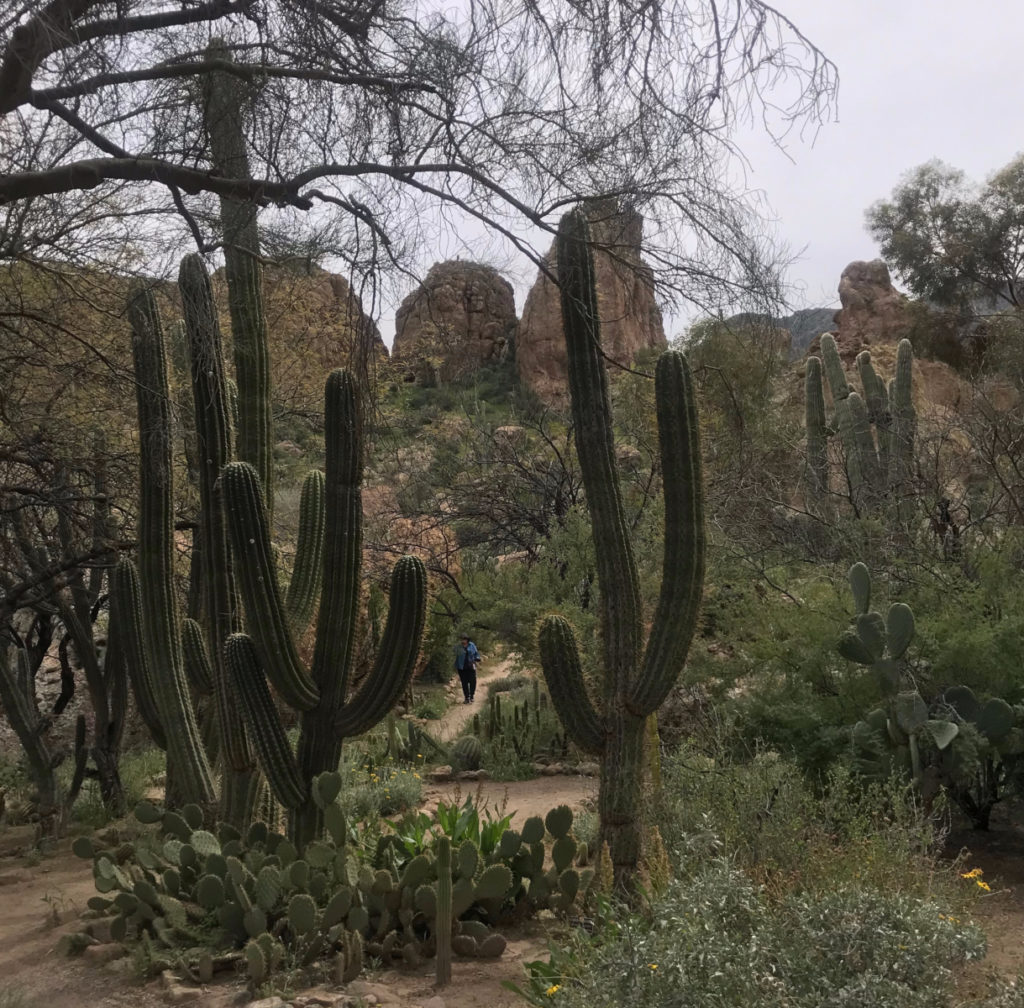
[466, 658]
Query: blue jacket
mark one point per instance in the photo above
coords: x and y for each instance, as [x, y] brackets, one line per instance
[462, 653]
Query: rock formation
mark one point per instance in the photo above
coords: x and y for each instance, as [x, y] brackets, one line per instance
[462, 317]
[630, 318]
[872, 308]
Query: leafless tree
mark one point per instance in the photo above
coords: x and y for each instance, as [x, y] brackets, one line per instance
[494, 110]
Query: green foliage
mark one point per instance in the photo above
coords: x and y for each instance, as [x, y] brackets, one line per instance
[715, 938]
[950, 241]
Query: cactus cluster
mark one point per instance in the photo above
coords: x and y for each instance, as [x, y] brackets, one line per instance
[214, 656]
[971, 748]
[270, 651]
[187, 888]
[635, 681]
[521, 726]
[877, 430]
[881, 644]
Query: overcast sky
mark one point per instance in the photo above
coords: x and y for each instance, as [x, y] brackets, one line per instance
[919, 79]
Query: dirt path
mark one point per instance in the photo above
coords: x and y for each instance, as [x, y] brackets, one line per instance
[453, 720]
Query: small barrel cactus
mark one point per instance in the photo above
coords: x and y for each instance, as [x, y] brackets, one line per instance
[467, 753]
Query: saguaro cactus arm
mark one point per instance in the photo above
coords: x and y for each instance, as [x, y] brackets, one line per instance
[126, 613]
[595, 445]
[834, 369]
[817, 458]
[156, 540]
[343, 545]
[682, 580]
[257, 579]
[268, 735]
[307, 574]
[560, 660]
[399, 646]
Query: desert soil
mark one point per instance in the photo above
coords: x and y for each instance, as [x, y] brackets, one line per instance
[39, 902]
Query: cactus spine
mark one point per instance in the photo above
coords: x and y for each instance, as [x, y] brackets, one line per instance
[634, 687]
[320, 692]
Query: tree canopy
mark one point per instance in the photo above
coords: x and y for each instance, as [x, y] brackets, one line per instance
[953, 242]
[365, 112]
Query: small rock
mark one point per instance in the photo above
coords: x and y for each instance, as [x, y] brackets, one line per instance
[100, 955]
[553, 770]
[539, 768]
[482, 775]
[270, 1002]
[588, 769]
[441, 774]
[469, 775]
[178, 993]
[369, 992]
[319, 996]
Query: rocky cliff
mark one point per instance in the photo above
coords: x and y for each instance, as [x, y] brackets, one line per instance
[462, 317]
[630, 317]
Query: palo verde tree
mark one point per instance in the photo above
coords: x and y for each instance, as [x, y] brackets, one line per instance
[635, 680]
[953, 242]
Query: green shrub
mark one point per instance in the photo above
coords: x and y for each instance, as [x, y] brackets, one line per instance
[718, 939]
[792, 837]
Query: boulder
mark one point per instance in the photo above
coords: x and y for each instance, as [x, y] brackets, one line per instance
[630, 318]
[462, 317]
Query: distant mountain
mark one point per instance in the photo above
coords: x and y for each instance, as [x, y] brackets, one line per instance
[804, 325]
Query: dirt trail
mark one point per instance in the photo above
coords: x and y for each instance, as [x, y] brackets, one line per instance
[453, 720]
[522, 798]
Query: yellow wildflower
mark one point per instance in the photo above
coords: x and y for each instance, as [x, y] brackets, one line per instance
[553, 990]
[973, 873]
[652, 966]
[983, 885]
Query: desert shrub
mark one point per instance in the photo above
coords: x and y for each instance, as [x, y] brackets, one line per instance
[793, 837]
[717, 938]
[374, 789]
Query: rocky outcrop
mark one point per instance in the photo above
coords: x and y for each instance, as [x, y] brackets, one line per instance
[872, 309]
[462, 317]
[630, 317]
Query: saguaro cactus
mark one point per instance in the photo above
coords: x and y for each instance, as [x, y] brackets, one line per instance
[320, 692]
[188, 768]
[223, 106]
[635, 682]
[877, 430]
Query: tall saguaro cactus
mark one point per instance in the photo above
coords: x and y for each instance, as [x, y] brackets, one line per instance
[188, 767]
[319, 692]
[635, 681]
